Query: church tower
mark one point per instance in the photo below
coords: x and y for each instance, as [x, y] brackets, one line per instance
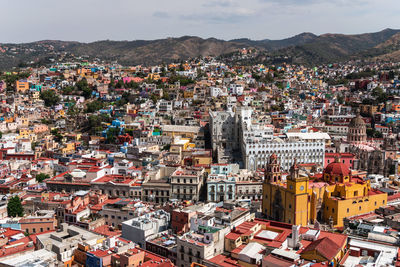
[273, 170]
[296, 184]
[297, 204]
[272, 204]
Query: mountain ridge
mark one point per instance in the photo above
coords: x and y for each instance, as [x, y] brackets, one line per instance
[303, 48]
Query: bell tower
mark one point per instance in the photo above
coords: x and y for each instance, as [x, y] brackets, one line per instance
[273, 170]
[297, 202]
[295, 183]
[294, 171]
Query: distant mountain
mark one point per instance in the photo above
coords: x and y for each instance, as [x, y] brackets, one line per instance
[304, 48]
[157, 51]
[267, 44]
[388, 50]
[125, 52]
[329, 48]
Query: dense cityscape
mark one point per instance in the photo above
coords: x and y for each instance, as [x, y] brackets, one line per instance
[203, 162]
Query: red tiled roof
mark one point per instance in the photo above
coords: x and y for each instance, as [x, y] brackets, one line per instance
[117, 179]
[99, 253]
[394, 197]
[224, 261]
[232, 236]
[105, 230]
[271, 259]
[337, 168]
[325, 247]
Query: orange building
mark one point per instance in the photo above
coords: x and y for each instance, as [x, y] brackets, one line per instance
[41, 221]
[302, 200]
[22, 86]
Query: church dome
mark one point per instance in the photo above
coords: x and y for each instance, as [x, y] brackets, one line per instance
[357, 132]
[337, 169]
[357, 122]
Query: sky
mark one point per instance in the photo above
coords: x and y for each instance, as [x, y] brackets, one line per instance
[92, 20]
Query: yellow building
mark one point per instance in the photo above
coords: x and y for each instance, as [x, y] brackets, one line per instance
[24, 133]
[188, 93]
[22, 86]
[36, 95]
[153, 76]
[369, 109]
[68, 148]
[300, 200]
[189, 132]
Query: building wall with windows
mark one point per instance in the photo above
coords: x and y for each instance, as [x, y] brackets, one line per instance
[300, 200]
[256, 154]
[187, 183]
[221, 188]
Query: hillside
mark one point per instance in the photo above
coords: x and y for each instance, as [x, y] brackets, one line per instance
[329, 48]
[305, 48]
[269, 45]
[155, 52]
[388, 50]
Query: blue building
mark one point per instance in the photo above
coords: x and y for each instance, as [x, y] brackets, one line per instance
[93, 261]
[221, 183]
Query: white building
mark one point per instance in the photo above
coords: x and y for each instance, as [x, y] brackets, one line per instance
[186, 183]
[218, 92]
[258, 143]
[207, 235]
[309, 137]
[38, 258]
[144, 227]
[64, 242]
[360, 251]
[164, 105]
[222, 125]
[236, 89]
[256, 152]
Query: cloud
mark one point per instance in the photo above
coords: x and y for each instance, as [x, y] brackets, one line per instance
[161, 15]
[234, 16]
[224, 19]
[226, 3]
[303, 3]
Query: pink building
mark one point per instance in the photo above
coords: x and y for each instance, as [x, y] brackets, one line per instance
[345, 158]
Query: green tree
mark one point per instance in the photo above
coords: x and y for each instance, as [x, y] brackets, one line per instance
[50, 98]
[34, 145]
[166, 147]
[41, 177]
[340, 99]
[14, 207]
[129, 131]
[391, 75]
[83, 87]
[120, 84]
[94, 124]
[370, 132]
[68, 90]
[111, 84]
[166, 96]
[57, 135]
[154, 98]
[94, 106]
[112, 134]
[1, 134]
